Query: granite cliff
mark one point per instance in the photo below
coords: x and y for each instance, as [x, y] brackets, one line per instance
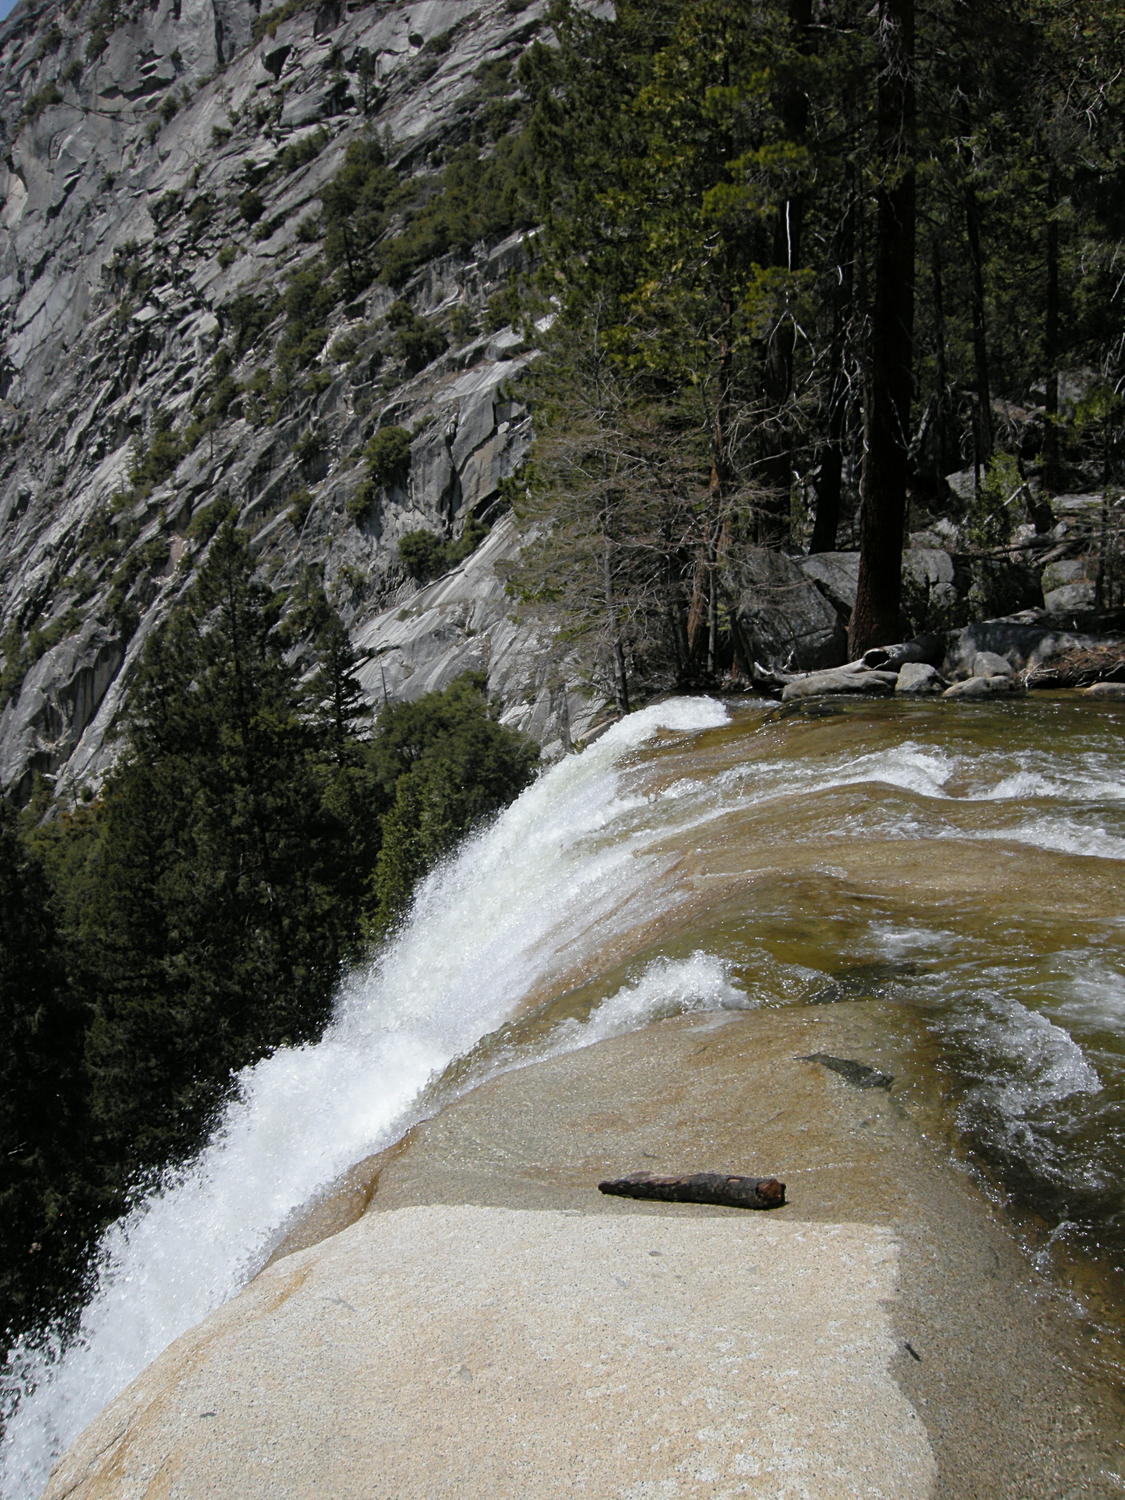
[180, 334]
[161, 179]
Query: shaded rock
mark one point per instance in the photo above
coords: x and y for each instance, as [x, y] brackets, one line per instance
[836, 574]
[1064, 571]
[991, 664]
[1026, 642]
[464, 622]
[1106, 690]
[783, 618]
[851, 679]
[920, 678]
[984, 687]
[929, 572]
[1072, 598]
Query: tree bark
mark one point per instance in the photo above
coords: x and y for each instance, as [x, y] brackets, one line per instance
[700, 1187]
[982, 445]
[875, 618]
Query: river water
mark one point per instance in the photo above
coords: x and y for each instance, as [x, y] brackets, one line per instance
[961, 864]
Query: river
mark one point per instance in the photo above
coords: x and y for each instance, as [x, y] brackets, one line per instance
[956, 865]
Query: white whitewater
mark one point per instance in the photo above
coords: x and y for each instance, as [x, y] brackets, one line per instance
[515, 904]
[586, 876]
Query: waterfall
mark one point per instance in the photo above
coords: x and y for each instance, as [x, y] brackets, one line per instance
[514, 905]
[957, 873]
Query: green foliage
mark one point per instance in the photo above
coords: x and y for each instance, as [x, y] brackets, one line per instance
[42, 99]
[267, 23]
[995, 509]
[354, 211]
[388, 456]
[42, 1208]
[422, 553]
[299, 153]
[415, 341]
[251, 206]
[153, 465]
[198, 912]
[425, 555]
[445, 765]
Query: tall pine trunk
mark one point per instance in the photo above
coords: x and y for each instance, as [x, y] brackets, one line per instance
[875, 619]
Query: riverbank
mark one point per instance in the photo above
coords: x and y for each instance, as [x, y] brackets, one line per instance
[493, 1326]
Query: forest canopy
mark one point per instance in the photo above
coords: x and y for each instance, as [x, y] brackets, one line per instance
[806, 259]
[255, 836]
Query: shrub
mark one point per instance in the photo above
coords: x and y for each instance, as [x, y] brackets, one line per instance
[388, 455]
[251, 206]
[416, 342]
[423, 554]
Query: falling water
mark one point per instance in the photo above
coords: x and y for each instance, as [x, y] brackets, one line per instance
[512, 907]
[957, 868]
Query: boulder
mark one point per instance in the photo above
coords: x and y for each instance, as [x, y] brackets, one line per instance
[984, 687]
[1114, 690]
[836, 575]
[918, 677]
[784, 619]
[1063, 571]
[850, 679]
[1072, 598]
[991, 664]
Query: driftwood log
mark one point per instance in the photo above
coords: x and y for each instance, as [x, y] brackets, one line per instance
[700, 1187]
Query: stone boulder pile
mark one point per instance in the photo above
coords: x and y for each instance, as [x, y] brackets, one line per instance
[992, 659]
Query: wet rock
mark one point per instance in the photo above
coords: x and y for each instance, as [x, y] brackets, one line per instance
[919, 678]
[850, 679]
[858, 1075]
[991, 664]
[1110, 690]
[984, 687]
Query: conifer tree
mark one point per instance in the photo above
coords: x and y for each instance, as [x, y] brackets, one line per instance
[214, 933]
[41, 1092]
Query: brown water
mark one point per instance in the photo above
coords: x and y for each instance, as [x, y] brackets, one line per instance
[954, 870]
[958, 865]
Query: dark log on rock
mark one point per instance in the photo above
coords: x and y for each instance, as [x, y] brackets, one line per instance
[700, 1187]
[926, 648]
[858, 1074]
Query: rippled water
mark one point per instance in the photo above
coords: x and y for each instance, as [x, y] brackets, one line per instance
[960, 863]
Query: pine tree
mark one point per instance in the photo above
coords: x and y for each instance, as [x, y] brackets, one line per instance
[214, 934]
[41, 1093]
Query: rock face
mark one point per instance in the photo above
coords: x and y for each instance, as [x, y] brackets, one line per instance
[161, 177]
[494, 1326]
[159, 166]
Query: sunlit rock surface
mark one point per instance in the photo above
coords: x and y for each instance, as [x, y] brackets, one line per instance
[123, 246]
[495, 1326]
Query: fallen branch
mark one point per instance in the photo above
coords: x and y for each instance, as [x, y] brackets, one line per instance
[700, 1187]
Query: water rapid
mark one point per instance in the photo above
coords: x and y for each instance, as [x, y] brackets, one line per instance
[510, 909]
[956, 871]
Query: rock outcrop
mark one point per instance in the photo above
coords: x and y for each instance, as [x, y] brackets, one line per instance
[493, 1325]
[160, 183]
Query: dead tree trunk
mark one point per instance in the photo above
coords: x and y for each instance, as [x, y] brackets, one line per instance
[875, 618]
[700, 1187]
